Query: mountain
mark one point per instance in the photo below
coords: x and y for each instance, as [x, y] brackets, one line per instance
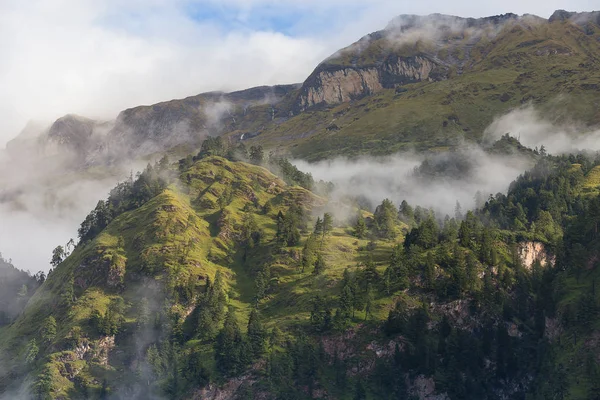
[211, 278]
[424, 82]
[433, 82]
[231, 274]
[146, 130]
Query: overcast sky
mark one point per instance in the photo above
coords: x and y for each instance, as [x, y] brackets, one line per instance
[97, 57]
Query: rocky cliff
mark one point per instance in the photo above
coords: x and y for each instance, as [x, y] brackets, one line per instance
[332, 84]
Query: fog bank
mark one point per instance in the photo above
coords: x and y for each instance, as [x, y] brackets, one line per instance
[459, 177]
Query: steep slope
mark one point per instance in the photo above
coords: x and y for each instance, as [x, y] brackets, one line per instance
[425, 82]
[394, 302]
[432, 82]
[178, 238]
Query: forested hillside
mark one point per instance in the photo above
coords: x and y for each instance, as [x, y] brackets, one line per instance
[16, 287]
[214, 278]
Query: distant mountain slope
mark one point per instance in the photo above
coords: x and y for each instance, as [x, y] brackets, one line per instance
[145, 130]
[424, 82]
[432, 82]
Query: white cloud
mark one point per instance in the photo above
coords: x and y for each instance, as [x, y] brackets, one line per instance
[69, 58]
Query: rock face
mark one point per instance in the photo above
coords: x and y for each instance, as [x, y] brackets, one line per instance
[334, 84]
[530, 252]
[338, 86]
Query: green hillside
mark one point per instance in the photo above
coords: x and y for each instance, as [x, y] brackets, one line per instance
[214, 277]
[528, 61]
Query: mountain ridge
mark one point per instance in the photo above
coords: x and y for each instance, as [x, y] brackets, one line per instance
[427, 49]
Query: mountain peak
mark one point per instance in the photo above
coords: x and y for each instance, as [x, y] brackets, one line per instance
[408, 21]
[576, 17]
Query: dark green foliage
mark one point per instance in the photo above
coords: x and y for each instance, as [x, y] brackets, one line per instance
[464, 309]
[111, 322]
[196, 370]
[68, 295]
[406, 213]
[49, 330]
[309, 253]
[385, 219]
[257, 336]
[210, 310]
[320, 265]
[360, 227]
[124, 197]
[213, 146]
[318, 231]
[425, 235]
[58, 255]
[288, 233]
[290, 174]
[32, 351]
[321, 318]
[327, 224]
[231, 350]
[256, 155]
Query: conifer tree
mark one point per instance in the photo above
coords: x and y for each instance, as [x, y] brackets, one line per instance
[327, 224]
[318, 227]
[32, 351]
[319, 264]
[309, 253]
[256, 335]
[230, 349]
[360, 227]
[49, 330]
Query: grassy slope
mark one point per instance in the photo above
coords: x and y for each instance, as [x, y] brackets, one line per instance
[520, 65]
[158, 232]
[187, 213]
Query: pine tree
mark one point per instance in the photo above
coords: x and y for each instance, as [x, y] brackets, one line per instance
[32, 351]
[49, 330]
[256, 335]
[360, 228]
[385, 219]
[309, 256]
[346, 304]
[217, 297]
[369, 302]
[327, 224]
[406, 213]
[68, 294]
[260, 285]
[318, 227]
[429, 272]
[230, 347]
[281, 237]
[319, 264]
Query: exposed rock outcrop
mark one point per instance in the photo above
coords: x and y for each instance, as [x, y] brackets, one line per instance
[530, 252]
[339, 86]
[331, 84]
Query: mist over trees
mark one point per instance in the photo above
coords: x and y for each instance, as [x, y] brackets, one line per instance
[16, 287]
[446, 297]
